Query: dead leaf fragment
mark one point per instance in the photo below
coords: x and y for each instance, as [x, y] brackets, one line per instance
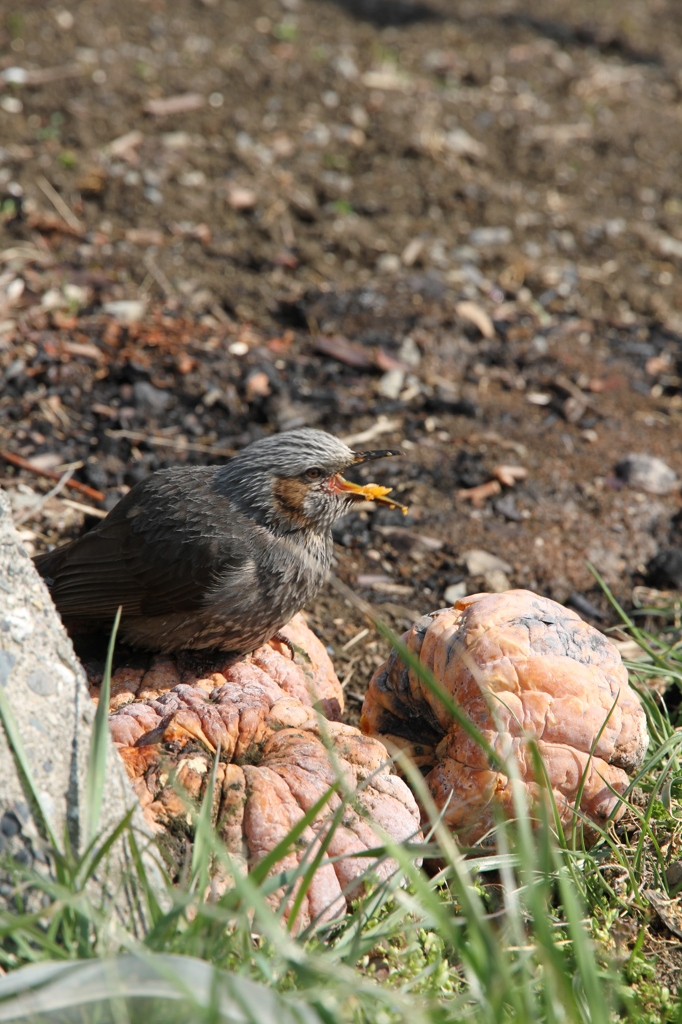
[669, 911]
[476, 315]
[337, 347]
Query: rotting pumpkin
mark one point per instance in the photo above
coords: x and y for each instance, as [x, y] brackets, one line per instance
[278, 756]
[521, 667]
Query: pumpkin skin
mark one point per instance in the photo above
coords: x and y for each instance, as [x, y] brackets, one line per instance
[278, 756]
[520, 666]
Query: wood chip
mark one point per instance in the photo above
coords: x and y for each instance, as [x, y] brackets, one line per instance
[240, 198]
[508, 475]
[85, 350]
[477, 495]
[184, 103]
[476, 315]
[144, 236]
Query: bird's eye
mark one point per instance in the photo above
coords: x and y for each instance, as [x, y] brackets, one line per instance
[314, 473]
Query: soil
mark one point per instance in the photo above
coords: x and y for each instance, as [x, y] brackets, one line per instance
[450, 227]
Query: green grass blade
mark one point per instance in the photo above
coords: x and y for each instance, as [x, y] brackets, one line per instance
[201, 850]
[99, 744]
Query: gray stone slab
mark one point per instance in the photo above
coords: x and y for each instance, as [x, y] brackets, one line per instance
[47, 692]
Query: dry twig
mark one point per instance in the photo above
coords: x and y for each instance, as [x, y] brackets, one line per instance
[76, 485]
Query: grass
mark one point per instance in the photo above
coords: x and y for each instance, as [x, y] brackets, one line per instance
[543, 930]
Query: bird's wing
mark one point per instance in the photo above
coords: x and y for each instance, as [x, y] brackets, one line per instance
[166, 558]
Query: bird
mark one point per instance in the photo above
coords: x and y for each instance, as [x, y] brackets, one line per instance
[214, 558]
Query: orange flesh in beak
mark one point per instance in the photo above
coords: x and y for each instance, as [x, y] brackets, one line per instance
[370, 492]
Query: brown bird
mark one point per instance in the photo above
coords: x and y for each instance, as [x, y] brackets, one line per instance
[215, 557]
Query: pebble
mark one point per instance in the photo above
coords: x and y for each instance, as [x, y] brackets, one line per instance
[388, 263]
[149, 399]
[409, 352]
[126, 311]
[496, 581]
[240, 198]
[459, 142]
[412, 251]
[479, 562]
[482, 237]
[647, 473]
[192, 179]
[15, 76]
[454, 592]
[11, 104]
[506, 507]
[391, 384]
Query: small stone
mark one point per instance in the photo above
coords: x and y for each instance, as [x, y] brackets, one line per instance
[506, 507]
[483, 237]
[673, 874]
[479, 562]
[240, 198]
[459, 142]
[647, 473]
[153, 195]
[7, 663]
[412, 251]
[11, 104]
[15, 76]
[496, 581]
[126, 311]
[409, 352]
[388, 263]
[238, 348]
[454, 592]
[19, 624]
[53, 299]
[391, 384]
[41, 682]
[149, 399]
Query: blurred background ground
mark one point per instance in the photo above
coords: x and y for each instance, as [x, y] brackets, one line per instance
[450, 226]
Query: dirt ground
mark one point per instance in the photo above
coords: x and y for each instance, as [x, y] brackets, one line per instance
[455, 227]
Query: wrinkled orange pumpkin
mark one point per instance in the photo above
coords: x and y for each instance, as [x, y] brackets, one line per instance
[278, 756]
[519, 666]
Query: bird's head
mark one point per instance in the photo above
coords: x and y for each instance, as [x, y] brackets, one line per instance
[293, 481]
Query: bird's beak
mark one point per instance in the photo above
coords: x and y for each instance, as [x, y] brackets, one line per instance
[366, 492]
[368, 456]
